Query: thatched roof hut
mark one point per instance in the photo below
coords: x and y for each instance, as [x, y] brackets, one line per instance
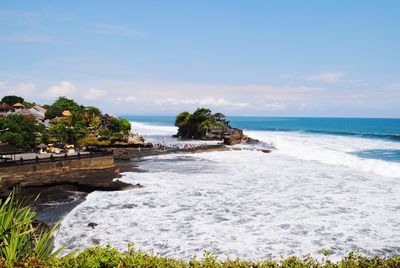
[42, 146]
[66, 113]
[18, 105]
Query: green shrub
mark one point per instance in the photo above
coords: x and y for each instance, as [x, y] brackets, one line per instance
[19, 239]
[13, 138]
[116, 137]
[119, 125]
[19, 124]
[104, 134]
[93, 142]
[110, 257]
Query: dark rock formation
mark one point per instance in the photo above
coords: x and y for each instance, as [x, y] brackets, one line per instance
[229, 135]
[92, 224]
[249, 140]
[233, 136]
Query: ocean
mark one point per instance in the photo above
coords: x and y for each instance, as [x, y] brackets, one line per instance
[331, 183]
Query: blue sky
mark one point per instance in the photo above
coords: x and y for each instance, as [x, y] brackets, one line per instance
[272, 58]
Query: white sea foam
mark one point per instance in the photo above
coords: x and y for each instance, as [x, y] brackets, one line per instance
[153, 130]
[250, 204]
[333, 150]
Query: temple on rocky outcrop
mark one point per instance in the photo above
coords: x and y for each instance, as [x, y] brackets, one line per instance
[204, 125]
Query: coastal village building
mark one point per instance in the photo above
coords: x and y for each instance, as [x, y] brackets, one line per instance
[18, 106]
[66, 113]
[37, 112]
[6, 108]
[26, 113]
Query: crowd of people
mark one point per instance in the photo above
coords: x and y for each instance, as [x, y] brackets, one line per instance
[162, 146]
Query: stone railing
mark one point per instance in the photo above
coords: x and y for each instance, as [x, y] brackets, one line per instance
[52, 158]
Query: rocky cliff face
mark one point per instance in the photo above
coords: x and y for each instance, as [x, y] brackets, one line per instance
[215, 133]
[229, 135]
[234, 136]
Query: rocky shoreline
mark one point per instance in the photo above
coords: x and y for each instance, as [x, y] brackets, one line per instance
[58, 195]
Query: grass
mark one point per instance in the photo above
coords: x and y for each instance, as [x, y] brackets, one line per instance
[110, 257]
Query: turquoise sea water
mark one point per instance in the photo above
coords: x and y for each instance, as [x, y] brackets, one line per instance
[370, 128]
[384, 128]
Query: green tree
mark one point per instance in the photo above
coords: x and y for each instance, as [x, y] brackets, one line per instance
[57, 132]
[204, 126]
[62, 104]
[199, 116]
[195, 120]
[93, 111]
[121, 125]
[125, 125]
[62, 131]
[94, 122]
[182, 119]
[13, 138]
[196, 125]
[12, 99]
[19, 124]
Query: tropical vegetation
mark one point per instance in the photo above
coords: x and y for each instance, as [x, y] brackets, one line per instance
[197, 125]
[20, 131]
[12, 99]
[20, 237]
[66, 122]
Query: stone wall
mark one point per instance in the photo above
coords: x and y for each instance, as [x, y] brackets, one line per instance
[98, 162]
[24, 173]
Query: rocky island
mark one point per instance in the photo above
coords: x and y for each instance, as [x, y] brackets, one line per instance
[203, 125]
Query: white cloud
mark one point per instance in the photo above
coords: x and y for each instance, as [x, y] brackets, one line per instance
[130, 98]
[329, 77]
[94, 93]
[25, 90]
[246, 99]
[274, 106]
[208, 101]
[192, 93]
[308, 106]
[65, 88]
[170, 98]
[221, 102]
[175, 102]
